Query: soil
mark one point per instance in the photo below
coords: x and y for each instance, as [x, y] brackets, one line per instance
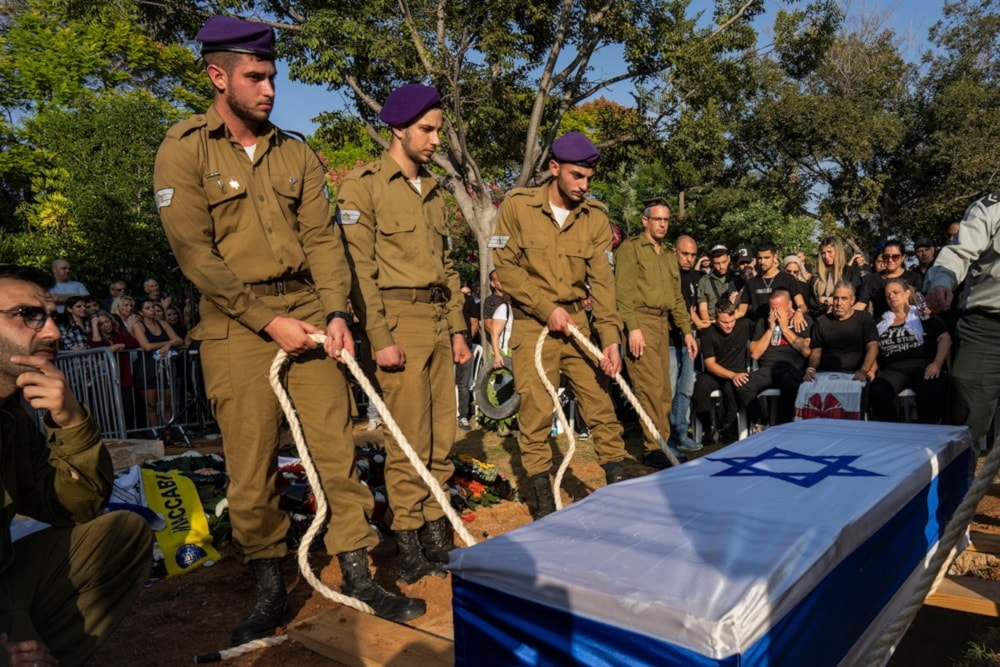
[175, 620]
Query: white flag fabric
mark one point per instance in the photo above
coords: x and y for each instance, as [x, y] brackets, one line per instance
[791, 547]
[830, 395]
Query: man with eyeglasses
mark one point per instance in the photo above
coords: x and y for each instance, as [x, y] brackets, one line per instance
[649, 298]
[873, 288]
[115, 290]
[55, 605]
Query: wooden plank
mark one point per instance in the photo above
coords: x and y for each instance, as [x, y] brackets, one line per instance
[968, 594]
[987, 543]
[357, 639]
[442, 626]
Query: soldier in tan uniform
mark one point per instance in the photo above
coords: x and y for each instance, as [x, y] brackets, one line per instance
[648, 293]
[407, 296]
[244, 207]
[552, 249]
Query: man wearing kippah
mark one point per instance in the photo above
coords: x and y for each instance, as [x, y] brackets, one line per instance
[552, 249]
[245, 209]
[408, 298]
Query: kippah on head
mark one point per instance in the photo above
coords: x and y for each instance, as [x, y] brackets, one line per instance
[224, 33]
[408, 103]
[718, 250]
[575, 148]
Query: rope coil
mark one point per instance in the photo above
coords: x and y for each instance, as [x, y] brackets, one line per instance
[561, 416]
[275, 375]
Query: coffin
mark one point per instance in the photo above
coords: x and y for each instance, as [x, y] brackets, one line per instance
[795, 546]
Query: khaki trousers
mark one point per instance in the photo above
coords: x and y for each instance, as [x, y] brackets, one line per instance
[560, 354]
[421, 398]
[70, 587]
[650, 376]
[249, 416]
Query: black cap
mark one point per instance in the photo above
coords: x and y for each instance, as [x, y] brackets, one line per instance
[743, 254]
[923, 242]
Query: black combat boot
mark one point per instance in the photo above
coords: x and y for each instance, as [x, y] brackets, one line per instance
[438, 540]
[358, 583]
[411, 564]
[614, 472]
[544, 500]
[270, 609]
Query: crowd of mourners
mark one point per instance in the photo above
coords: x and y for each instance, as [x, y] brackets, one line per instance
[766, 319]
[142, 331]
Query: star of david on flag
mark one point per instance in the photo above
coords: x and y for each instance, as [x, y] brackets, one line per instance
[803, 470]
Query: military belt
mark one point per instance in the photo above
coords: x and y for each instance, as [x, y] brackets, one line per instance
[645, 310]
[283, 286]
[416, 295]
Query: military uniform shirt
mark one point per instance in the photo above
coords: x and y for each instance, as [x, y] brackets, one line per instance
[644, 278]
[396, 238]
[232, 222]
[543, 266]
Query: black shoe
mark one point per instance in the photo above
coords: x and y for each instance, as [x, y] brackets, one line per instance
[656, 458]
[438, 540]
[270, 610]
[728, 434]
[545, 502]
[358, 583]
[583, 433]
[411, 564]
[614, 472]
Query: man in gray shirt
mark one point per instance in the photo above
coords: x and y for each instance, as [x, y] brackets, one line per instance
[64, 287]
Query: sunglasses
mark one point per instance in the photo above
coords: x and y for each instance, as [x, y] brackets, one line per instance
[893, 258]
[33, 316]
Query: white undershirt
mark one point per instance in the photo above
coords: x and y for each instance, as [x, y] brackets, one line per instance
[560, 213]
[250, 151]
[415, 182]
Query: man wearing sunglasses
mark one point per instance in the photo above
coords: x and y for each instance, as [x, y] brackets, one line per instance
[873, 289]
[54, 604]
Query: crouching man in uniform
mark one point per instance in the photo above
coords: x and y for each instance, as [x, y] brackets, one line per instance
[63, 589]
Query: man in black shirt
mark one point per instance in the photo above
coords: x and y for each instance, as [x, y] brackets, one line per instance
[724, 347]
[769, 278]
[781, 354]
[682, 373]
[844, 340]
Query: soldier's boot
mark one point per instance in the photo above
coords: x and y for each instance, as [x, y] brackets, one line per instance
[438, 540]
[411, 564]
[270, 609]
[545, 502]
[358, 583]
[614, 472]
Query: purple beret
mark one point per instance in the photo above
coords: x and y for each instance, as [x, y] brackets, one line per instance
[408, 103]
[575, 148]
[224, 33]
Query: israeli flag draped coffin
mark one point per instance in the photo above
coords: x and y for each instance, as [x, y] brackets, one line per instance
[793, 547]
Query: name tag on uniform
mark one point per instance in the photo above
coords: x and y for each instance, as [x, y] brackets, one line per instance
[348, 217]
[498, 242]
[450, 242]
[611, 257]
[164, 197]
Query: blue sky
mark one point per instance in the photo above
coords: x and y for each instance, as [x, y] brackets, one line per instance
[297, 103]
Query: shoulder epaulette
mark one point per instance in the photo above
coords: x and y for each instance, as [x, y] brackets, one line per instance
[367, 169]
[188, 126]
[520, 192]
[598, 204]
[992, 199]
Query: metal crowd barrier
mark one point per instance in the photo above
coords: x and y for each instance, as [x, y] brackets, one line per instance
[179, 401]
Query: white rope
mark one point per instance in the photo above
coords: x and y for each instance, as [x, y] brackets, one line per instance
[237, 651]
[935, 570]
[314, 482]
[561, 416]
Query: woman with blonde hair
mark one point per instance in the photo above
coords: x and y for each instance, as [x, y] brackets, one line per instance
[123, 307]
[831, 268]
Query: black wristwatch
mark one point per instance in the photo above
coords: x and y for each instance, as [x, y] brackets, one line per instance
[342, 314]
[461, 332]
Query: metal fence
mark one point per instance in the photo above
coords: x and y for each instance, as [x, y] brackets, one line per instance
[135, 394]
